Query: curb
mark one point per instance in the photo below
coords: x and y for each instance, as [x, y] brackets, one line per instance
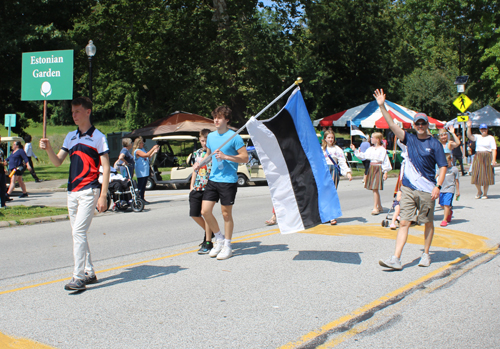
[45, 219]
[42, 190]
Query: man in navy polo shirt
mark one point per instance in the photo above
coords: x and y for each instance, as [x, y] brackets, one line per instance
[88, 150]
[419, 187]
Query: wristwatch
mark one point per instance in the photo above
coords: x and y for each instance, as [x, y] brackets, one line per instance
[438, 186]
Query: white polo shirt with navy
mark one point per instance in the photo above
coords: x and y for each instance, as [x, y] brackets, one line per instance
[85, 150]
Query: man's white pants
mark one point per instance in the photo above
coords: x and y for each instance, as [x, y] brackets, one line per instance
[81, 208]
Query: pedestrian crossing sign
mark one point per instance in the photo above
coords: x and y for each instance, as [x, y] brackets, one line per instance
[462, 103]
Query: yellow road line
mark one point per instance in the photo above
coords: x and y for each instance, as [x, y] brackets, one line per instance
[447, 238]
[20, 343]
[236, 240]
[344, 320]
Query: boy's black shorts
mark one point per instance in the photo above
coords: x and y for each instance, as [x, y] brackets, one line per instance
[226, 192]
[195, 199]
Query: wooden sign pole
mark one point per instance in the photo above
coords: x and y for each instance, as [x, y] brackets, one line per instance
[45, 119]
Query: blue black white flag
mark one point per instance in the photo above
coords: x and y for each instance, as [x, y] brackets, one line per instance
[355, 131]
[302, 189]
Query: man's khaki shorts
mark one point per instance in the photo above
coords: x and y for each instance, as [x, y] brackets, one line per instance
[416, 206]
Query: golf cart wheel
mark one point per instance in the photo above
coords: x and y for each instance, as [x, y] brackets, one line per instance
[150, 184]
[138, 205]
[242, 180]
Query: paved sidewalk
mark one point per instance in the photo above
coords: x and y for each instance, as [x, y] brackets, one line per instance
[44, 186]
[48, 187]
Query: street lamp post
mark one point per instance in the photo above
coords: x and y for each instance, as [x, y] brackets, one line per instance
[460, 81]
[90, 50]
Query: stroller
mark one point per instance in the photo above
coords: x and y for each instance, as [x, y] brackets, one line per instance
[124, 194]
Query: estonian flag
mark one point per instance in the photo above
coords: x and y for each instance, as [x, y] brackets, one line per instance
[355, 131]
[302, 189]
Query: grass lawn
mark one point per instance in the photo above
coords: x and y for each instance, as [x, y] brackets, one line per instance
[47, 171]
[16, 213]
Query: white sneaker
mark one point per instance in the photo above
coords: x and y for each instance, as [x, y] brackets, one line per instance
[425, 261]
[226, 253]
[217, 248]
[392, 263]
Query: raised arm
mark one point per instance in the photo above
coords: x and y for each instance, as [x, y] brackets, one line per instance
[455, 142]
[150, 153]
[469, 131]
[380, 98]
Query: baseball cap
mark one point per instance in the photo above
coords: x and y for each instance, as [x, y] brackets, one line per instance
[420, 116]
[483, 126]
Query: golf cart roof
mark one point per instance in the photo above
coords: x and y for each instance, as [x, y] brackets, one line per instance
[174, 138]
[11, 139]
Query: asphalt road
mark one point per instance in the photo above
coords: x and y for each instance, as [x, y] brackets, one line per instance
[320, 288]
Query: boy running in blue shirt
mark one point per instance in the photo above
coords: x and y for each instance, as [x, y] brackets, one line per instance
[222, 183]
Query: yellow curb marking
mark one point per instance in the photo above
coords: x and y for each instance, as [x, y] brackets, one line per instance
[20, 343]
[361, 327]
[446, 238]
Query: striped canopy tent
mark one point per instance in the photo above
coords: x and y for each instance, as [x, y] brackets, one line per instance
[368, 115]
[381, 123]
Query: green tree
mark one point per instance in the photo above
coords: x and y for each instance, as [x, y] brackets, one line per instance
[348, 52]
[27, 26]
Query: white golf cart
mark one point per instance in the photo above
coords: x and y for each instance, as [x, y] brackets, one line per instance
[181, 175]
[166, 158]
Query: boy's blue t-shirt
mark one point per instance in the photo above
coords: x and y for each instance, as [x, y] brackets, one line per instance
[228, 174]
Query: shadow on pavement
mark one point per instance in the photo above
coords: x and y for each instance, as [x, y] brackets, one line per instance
[443, 256]
[352, 219]
[255, 247]
[456, 221]
[330, 256]
[141, 272]
[438, 256]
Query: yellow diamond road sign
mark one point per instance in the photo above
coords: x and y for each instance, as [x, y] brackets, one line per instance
[462, 102]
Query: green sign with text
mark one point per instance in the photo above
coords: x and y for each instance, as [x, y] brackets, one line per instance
[47, 75]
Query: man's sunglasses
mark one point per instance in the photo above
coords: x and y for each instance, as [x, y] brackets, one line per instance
[420, 123]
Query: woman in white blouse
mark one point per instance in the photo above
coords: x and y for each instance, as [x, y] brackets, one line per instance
[486, 154]
[379, 166]
[335, 159]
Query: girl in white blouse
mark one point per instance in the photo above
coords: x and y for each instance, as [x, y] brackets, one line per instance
[379, 166]
[484, 160]
[335, 159]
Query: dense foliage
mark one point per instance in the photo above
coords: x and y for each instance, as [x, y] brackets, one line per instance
[158, 56]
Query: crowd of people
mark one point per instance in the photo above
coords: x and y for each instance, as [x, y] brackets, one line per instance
[427, 174]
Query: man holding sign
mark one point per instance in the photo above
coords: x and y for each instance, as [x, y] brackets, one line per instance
[88, 150]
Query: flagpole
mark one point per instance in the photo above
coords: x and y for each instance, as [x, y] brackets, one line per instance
[350, 129]
[296, 83]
